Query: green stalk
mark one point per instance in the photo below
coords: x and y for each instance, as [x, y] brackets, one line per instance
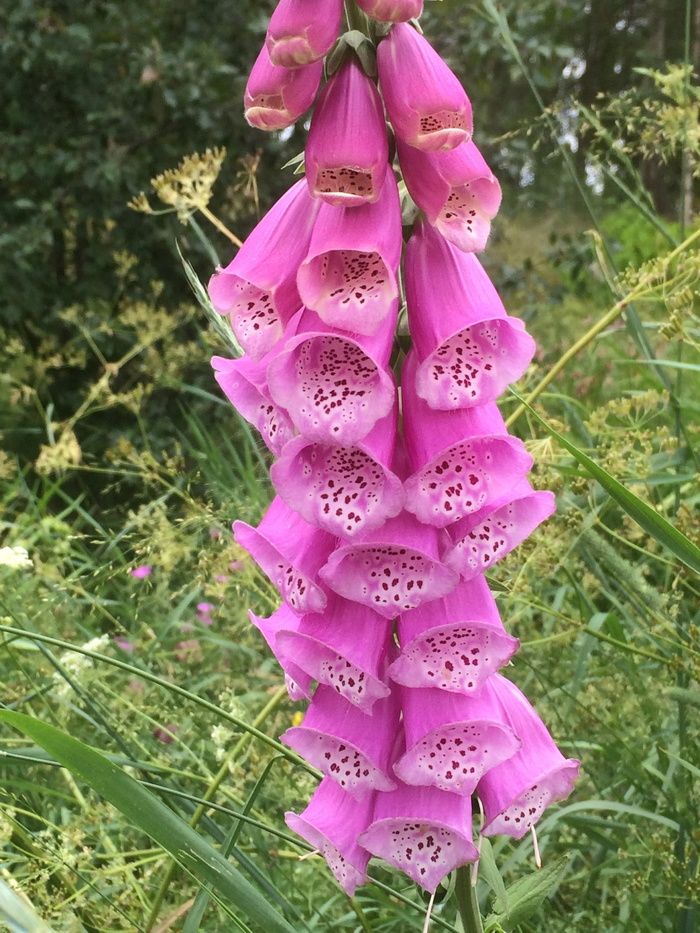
[467, 903]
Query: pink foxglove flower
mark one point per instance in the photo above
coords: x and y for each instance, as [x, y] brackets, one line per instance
[463, 459]
[258, 287]
[298, 35]
[424, 832]
[331, 823]
[392, 11]
[290, 552]
[516, 793]
[455, 643]
[392, 569]
[456, 190]
[452, 739]
[297, 681]
[335, 388]
[426, 104]
[349, 275]
[468, 348]
[245, 385]
[348, 491]
[276, 97]
[347, 150]
[345, 744]
[482, 539]
[343, 647]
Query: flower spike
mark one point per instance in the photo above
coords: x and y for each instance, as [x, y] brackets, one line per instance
[276, 97]
[297, 35]
[426, 104]
[347, 150]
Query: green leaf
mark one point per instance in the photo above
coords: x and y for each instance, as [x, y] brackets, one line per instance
[152, 816]
[527, 895]
[650, 520]
[488, 870]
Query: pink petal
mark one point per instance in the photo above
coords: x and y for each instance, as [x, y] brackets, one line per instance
[456, 190]
[349, 274]
[297, 680]
[276, 97]
[344, 648]
[468, 347]
[392, 569]
[331, 823]
[335, 738]
[454, 643]
[392, 11]
[482, 539]
[290, 552]
[463, 459]
[347, 150]
[347, 491]
[424, 832]
[258, 287]
[516, 792]
[451, 740]
[335, 388]
[426, 104]
[297, 35]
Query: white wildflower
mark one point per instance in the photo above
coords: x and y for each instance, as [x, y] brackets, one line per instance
[78, 666]
[15, 557]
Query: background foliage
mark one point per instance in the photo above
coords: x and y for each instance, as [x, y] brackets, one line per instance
[117, 452]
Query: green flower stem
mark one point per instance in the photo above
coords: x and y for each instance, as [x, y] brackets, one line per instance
[467, 903]
[356, 18]
[222, 773]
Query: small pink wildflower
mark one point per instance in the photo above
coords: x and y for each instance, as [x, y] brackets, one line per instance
[125, 645]
[204, 611]
[140, 573]
[188, 650]
[165, 734]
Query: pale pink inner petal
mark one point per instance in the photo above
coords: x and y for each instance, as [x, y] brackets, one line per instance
[474, 365]
[274, 424]
[346, 874]
[255, 320]
[346, 284]
[341, 489]
[455, 756]
[424, 850]
[345, 184]
[443, 129]
[464, 219]
[457, 658]
[347, 764]
[463, 478]
[525, 810]
[339, 392]
[388, 578]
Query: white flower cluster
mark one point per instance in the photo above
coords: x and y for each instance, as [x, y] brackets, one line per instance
[15, 557]
[77, 665]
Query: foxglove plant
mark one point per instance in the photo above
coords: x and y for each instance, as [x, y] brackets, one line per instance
[390, 504]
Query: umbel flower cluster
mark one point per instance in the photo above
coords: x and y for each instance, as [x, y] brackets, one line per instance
[391, 503]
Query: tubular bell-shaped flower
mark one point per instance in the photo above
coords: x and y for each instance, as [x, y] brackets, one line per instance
[422, 831]
[334, 387]
[344, 647]
[276, 97]
[349, 274]
[482, 539]
[258, 288]
[297, 35]
[516, 792]
[456, 190]
[297, 680]
[290, 552]
[468, 348]
[453, 739]
[348, 491]
[335, 737]
[463, 458]
[392, 11]
[426, 104]
[392, 569]
[331, 823]
[347, 150]
[454, 643]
